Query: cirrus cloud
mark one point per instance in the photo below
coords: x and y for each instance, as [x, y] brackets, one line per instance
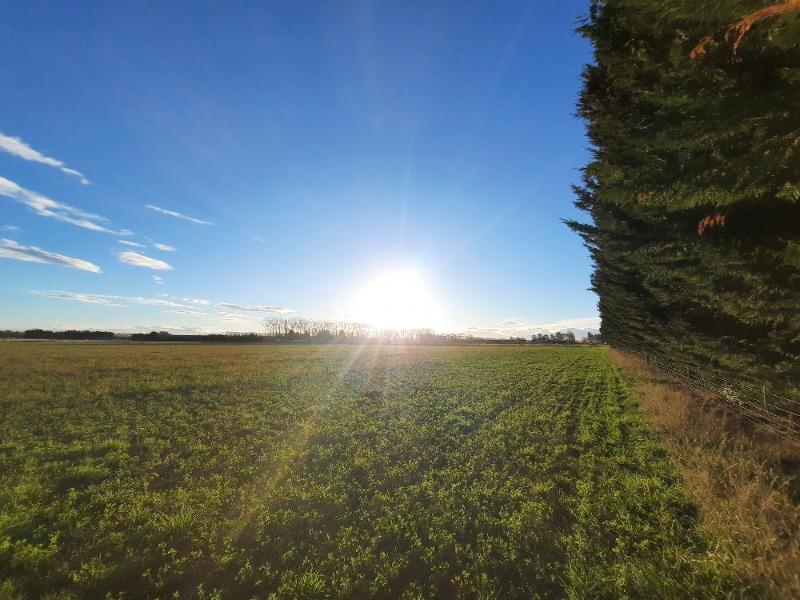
[18, 148]
[140, 260]
[74, 297]
[47, 207]
[15, 251]
[206, 309]
[249, 307]
[107, 298]
[177, 215]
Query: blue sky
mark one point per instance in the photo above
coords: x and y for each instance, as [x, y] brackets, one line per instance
[325, 144]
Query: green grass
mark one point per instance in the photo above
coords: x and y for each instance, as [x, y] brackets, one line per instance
[131, 471]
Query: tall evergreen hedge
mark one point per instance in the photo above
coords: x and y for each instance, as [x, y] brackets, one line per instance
[693, 112]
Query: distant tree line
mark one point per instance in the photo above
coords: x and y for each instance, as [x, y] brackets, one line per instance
[567, 337]
[298, 330]
[594, 338]
[45, 334]
[553, 338]
[8, 334]
[692, 189]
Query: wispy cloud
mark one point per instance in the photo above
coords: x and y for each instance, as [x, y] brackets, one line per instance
[191, 311]
[78, 298]
[266, 309]
[108, 298]
[511, 323]
[46, 207]
[147, 301]
[17, 147]
[9, 228]
[140, 260]
[200, 301]
[163, 247]
[515, 327]
[228, 316]
[134, 244]
[12, 250]
[158, 280]
[177, 215]
[191, 307]
[577, 323]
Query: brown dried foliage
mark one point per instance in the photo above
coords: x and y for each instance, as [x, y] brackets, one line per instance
[700, 49]
[740, 28]
[710, 222]
[742, 477]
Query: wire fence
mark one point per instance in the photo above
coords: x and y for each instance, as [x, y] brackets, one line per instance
[773, 411]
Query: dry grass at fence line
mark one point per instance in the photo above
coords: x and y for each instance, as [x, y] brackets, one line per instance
[743, 477]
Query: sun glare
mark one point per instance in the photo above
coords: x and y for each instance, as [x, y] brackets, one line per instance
[397, 301]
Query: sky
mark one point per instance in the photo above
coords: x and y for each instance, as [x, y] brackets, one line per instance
[201, 166]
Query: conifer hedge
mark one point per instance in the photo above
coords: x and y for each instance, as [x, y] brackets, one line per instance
[693, 113]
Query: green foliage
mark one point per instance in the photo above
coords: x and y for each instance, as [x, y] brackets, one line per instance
[693, 185]
[285, 472]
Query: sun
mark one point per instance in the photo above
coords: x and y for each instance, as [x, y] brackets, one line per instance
[398, 300]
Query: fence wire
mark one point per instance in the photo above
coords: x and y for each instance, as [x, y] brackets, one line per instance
[773, 411]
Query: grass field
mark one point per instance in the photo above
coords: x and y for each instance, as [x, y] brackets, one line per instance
[132, 471]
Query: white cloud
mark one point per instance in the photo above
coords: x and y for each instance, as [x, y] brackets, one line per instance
[150, 301]
[46, 207]
[191, 311]
[177, 215]
[193, 307]
[158, 280]
[266, 309]
[510, 323]
[134, 244]
[197, 301]
[78, 298]
[140, 260]
[515, 327]
[106, 298]
[578, 323]
[12, 250]
[9, 228]
[18, 148]
[227, 316]
[163, 247]
[145, 301]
